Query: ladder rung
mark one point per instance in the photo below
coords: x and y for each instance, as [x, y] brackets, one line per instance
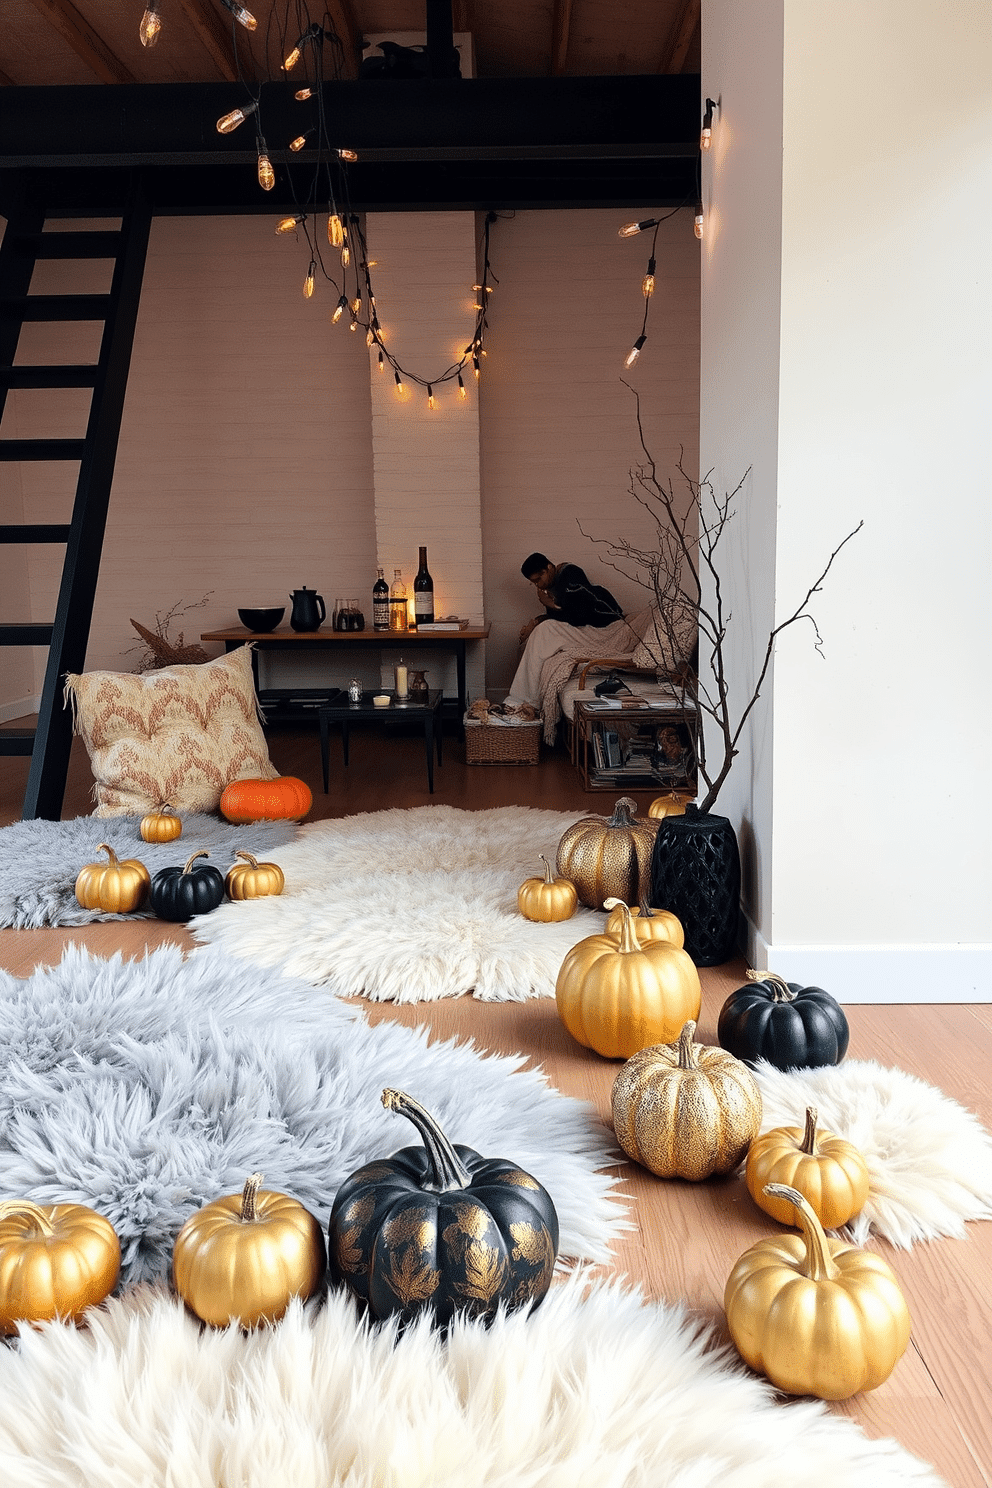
[26, 635]
[42, 449]
[16, 741]
[71, 244]
[48, 377]
[44, 532]
[56, 307]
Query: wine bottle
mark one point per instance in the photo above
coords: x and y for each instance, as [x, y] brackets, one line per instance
[397, 601]
[380, 602]
[423, 593]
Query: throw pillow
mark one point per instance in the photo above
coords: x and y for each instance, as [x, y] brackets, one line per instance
[179, 734]
[663, 651]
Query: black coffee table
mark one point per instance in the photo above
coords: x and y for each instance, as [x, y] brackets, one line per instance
[425, 715]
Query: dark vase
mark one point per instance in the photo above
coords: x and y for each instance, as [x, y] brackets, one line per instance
[696, 874]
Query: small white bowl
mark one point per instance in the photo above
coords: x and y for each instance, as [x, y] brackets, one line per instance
[381, 700]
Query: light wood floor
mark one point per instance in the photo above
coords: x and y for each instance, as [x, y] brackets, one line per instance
[938, 1402]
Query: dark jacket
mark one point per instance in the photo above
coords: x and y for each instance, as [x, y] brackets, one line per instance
[580, 602]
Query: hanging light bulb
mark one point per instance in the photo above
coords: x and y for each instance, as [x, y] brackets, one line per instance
[382, 364]
[347, 154]
[370, 338]
[292, 59]
[345, 256]
[335, 231]
[461, 387]
[400, 389]
[430, 396]
[310, 34]
[242, 16]
[706, 133]
[356, 305]
[310, 280]
[647, 283]
[339, 309]
[476, 368]
[288, 224]
[302, 94]
[235, 117]
[297, 145]
[697, 225]
[354, 324]
[631, 229]
[151, 25]
[266, 175]
[635, 351]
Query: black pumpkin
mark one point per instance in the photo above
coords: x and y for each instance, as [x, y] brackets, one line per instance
[181, 893]
[790, 1026]
[439, 1228]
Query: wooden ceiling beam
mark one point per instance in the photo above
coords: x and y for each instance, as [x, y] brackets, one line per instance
[6, 82]
[214, 34]
[84, 41]
[679, 38]
[561, 25]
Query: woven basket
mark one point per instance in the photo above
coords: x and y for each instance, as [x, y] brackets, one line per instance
[486, 744]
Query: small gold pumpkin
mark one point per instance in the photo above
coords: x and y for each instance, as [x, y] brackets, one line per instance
[114, 887]
[55, 1261]
[686, 1110]
[162, 825]
[817, 1316]
[673, 805]
[547, 899]
[251, 879]
[608, 858]
[649, 924]
[828, 1171]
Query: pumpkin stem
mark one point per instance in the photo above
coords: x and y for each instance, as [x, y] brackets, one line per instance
[809, 1136]
[33, 1211]
[647, 913]
[781, 991]
[447, 1169]
[249, 1194]
[820, 1264]
[190, 861]
[628, 935]
[623, 813]
[547, 869]
[687, 1059]
[239, 854]
[105, 847]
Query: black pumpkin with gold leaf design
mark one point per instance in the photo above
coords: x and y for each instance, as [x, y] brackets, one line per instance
[441, 1228]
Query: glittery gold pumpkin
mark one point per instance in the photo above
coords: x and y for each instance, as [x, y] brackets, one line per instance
[608, 858]
[686, 1110]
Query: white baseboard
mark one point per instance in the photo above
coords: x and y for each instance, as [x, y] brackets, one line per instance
[19, 708]
[881, 973]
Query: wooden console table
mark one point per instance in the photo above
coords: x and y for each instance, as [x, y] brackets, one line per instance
[284, 639]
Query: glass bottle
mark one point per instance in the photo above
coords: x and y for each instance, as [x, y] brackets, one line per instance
[397, 601]
[423, 592]
[380, 602]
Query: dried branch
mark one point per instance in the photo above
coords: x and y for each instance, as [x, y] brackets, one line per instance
[159, 649]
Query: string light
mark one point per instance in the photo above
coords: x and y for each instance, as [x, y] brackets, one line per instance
[335, 231]
[345, 256]
[302, 94]
[350, 155]
[631, 229]
[312, 33]
[461, 387]
[430, 396]
[706, 133]
[635, 350]
[242, 16]
[297, 144]
[288, 224]
[235, 117]
[647, 283]
[310, 280]
[151, 25]
[382, 363]
[266, 175]
[400, 389]
[339, 309]
[699, 221]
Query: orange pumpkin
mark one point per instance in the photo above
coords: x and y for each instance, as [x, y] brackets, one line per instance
[282, 799]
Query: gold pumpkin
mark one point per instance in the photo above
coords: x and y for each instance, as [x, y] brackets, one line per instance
[816, 1316]
[243, 1257]
[829, 1172]
[686, 1110]
[673, 805]
[113, 887]
[616, 996]
[649, 924]
[162, 825]
[608, 858]
[547, 899]
[55, 1261]
[252, 879]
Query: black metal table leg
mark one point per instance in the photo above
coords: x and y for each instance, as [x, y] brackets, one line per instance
[325, 732]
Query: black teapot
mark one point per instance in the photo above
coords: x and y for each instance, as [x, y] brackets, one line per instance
[308, 609]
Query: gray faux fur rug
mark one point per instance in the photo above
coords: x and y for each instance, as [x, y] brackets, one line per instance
[39, 860]
[146, 1088]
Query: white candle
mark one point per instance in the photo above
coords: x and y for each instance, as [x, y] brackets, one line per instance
[401, 691]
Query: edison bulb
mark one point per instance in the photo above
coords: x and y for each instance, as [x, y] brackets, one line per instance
[347, 154]
[697, 225]
[335, 231]
[287, 225]
[635, 351]
[302, 94]
[308, 284]
[292, 59]
[266, 175]
[297, 145]
[151, 25]
[234, 118]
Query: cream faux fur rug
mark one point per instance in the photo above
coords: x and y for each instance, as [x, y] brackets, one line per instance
[929, 1159]
[410, 906]
[594, 1390]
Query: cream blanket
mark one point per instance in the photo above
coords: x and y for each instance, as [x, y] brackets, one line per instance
[618, 639]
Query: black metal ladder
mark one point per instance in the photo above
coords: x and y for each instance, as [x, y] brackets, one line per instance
[24, 243]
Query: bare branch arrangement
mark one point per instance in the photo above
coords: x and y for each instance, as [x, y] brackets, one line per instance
[685, 556]
[159, 648]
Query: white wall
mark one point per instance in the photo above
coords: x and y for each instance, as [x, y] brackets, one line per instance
[872, 874]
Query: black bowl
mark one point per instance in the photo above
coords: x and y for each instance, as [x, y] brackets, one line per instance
[260, 620]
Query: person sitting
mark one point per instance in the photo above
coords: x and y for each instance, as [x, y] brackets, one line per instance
[580, 619]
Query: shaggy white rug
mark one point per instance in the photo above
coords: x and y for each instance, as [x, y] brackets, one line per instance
[147, 1088]
[590, 1391]
[39, 860]
[929, 1159]
[409, 906]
